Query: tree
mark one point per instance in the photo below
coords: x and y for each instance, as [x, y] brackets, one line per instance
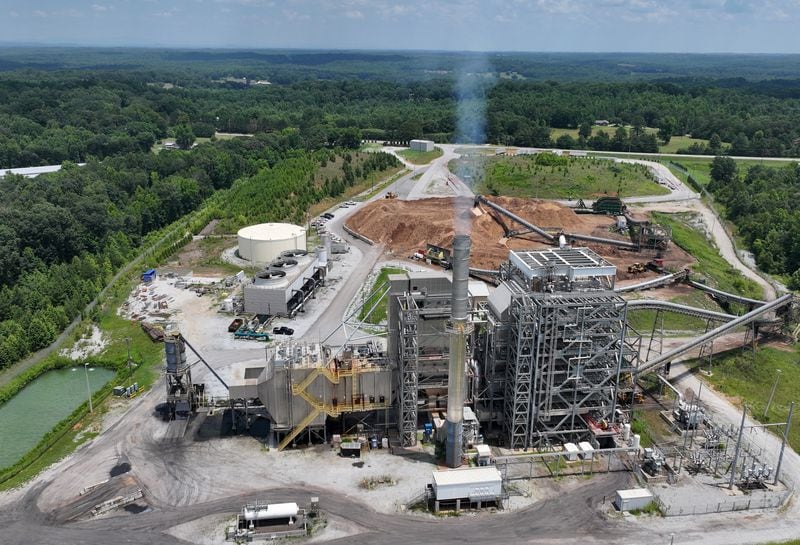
[184, 136]
[714, 144]
[585, 130]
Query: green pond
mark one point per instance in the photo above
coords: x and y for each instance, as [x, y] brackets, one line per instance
[36, 409]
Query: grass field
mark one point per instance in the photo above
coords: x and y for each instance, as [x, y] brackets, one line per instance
[675, 143]
[381, 310]
[737, 376]
[700, 167]
[709, 262]
[420, 157]
[524, 176]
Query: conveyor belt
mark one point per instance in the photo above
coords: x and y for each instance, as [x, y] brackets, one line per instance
[725, 295]
[717, 332]
[654, 282]
[654, 304]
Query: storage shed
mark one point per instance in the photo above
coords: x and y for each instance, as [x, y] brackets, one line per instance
[474, 484]
[634, 498]
[421, 145]
[484, 455]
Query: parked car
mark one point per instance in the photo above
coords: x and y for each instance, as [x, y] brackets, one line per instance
[282, 330]
[327, 215]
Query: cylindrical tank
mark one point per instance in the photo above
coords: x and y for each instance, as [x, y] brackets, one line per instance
[264, 242]
[636, 440]
[626, 432]
[324, 250]
[176, 353]
[271, 511]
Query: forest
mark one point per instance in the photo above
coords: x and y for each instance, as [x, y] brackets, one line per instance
[63, 235]
[49, 116]
[763, 204]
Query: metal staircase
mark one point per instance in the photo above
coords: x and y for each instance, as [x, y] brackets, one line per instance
[357, 402]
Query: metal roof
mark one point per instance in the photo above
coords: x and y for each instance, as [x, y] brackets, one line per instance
[634, 493]
[271, 231]
[570, 262]
[467, 476]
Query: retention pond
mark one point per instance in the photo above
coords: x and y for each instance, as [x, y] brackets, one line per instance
[37, 408]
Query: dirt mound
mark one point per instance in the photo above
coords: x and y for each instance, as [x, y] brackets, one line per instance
[405, 226]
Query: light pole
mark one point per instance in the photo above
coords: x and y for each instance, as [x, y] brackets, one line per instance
[128, 342]
[671, 538]
[88, 389]
[772, 393]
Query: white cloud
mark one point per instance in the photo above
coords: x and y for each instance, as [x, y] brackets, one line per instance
[100, 8]
[39, 13]
[13, 13]
[295, 15]
[354, 14]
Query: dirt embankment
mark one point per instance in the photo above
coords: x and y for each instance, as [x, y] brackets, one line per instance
[405, 226]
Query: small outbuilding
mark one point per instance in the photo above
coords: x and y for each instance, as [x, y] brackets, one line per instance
[634, 498]
[484, 455]
[480, 485]
[421, 145]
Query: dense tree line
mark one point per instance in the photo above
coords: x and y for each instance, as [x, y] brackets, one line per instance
[46, 120]
[763, 204]
[63, 235]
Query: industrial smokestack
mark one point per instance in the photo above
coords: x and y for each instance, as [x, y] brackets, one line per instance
[459, 329]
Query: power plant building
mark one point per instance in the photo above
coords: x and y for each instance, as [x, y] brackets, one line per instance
[539, 362]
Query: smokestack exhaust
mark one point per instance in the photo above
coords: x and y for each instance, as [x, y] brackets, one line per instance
[459, 329]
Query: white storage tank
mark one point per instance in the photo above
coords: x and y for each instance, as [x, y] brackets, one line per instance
[262, 243]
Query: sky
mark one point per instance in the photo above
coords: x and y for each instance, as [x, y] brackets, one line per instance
[695, 26]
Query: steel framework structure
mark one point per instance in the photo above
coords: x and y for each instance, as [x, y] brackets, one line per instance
[408, 368]
[567, 352]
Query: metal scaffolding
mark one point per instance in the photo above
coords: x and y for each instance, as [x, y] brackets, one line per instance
[568, 351]
[408, 364]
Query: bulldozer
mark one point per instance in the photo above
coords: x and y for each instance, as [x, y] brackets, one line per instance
[636, 268]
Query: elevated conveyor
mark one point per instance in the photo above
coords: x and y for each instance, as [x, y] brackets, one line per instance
[655, 282]
[730, 297]
[655, 304]
[744, 319]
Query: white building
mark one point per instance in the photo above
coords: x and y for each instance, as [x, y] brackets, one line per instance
[421, 145]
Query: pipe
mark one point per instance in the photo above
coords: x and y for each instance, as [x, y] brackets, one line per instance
[671, 387]
[458, 328]
[516, 218]
[717, 332]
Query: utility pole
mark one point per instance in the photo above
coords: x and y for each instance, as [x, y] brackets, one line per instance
[128, 343]
[736, 452]
[772, 393]
[783, 442]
